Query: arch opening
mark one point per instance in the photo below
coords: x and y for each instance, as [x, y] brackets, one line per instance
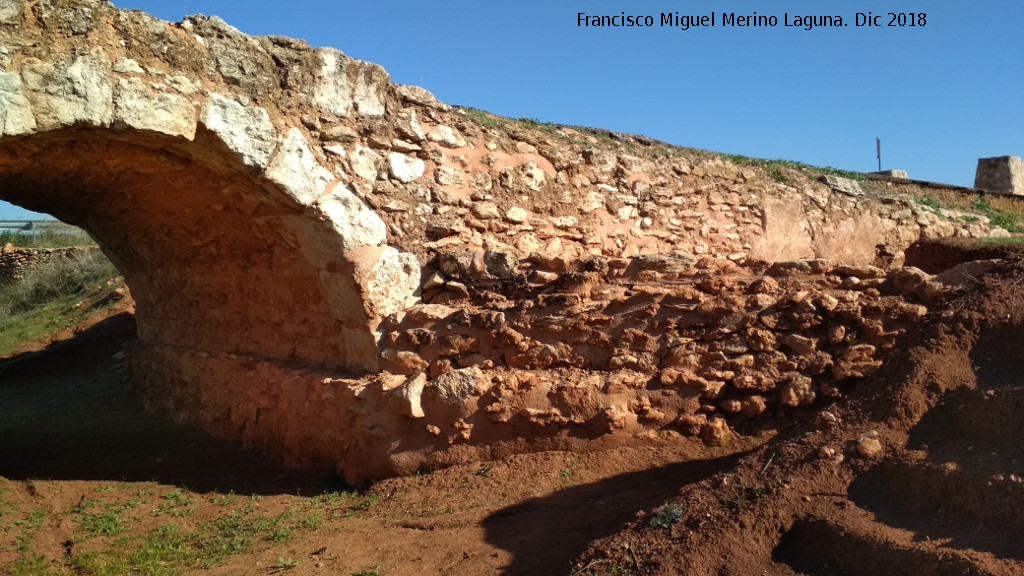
[209, 254]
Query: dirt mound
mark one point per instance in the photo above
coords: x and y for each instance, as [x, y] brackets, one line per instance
[939, 254]
[918, 471]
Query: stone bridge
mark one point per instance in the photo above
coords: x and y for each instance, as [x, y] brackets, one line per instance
[278, 212]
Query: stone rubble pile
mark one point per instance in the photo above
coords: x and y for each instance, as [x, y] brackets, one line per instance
[660, 339]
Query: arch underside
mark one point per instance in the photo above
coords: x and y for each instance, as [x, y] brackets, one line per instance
[214, 260]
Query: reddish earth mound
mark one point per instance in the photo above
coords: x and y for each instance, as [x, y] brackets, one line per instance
[918, 471]
[936, 255]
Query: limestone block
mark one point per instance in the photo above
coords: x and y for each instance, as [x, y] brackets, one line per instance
[447, 176]
[65, 94]
[420, 96]
[485, 210]
[842, 185]
[296, 170]
[1001, 175]
[592, 201]
[893, 173]
[533, 176]
[517, 215]
[459, 385]
[344, 86]
[11, 10]
[405, 169]
[247, 131]
[15, 110]
[407, 399]
[135, 106]
[388, 279]
[408, 125]
[446, 136]
[356, 224]
[125, 65]
[365, 163]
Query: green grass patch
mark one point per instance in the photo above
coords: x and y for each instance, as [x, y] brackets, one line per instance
[49, 237]
[100, 518]
[485, 119]
[1009, 221]
[47, 298]
[17, 329]
[169, 550]
[25, 527]
[776, 169]
[930, 203]
[1011, 241]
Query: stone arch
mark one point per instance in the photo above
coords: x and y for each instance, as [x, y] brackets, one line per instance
[256, 270]
[218, 259]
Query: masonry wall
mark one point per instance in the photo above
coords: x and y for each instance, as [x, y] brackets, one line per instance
[14, 261]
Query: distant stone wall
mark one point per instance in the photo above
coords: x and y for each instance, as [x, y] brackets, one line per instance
[14, 261]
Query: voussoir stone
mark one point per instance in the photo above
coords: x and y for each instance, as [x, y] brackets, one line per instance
[15, 110]
[135, 106]
[355, 224]
[66, 93]
[296, 170]
[247, 131]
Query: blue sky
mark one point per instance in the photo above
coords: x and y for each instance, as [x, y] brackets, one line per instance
[940, 96]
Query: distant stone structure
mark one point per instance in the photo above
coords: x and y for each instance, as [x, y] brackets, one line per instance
[892, 173]
[1000, 175]
[14, 260]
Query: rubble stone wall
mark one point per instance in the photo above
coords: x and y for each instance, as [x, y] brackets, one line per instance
[14, 260]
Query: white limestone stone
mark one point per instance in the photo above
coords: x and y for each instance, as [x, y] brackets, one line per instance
[356, 224]
[404, 168]
[81, 93]
[247, 131]
[15, 110]
[296, 170]
[135, 106]
[344, 86]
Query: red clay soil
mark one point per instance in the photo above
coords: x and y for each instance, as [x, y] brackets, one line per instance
[943, 495]
[935, 255]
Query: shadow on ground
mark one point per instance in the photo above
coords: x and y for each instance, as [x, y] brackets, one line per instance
[64, 415]
[547, 534]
